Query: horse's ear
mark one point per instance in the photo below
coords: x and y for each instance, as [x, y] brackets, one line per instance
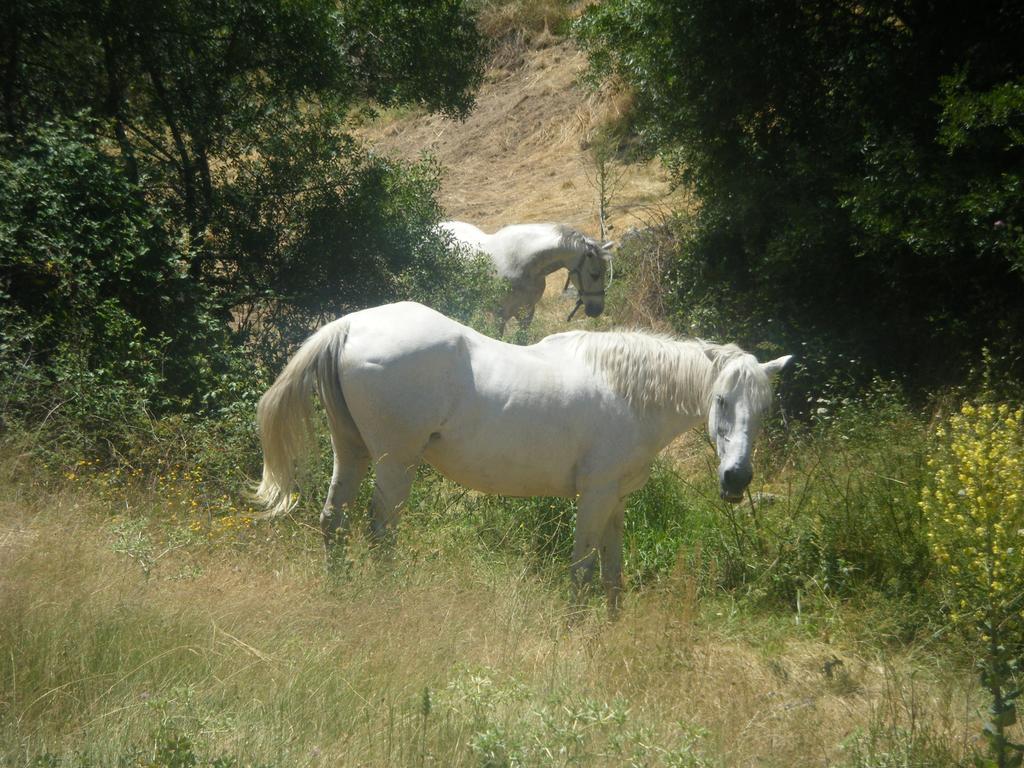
[773, 367]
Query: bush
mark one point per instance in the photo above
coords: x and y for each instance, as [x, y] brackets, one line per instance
[974, 506]
[100, 324]
[836, 514]
[856, 173]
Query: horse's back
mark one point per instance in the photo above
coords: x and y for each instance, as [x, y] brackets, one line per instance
[465, 233]
[393, 331]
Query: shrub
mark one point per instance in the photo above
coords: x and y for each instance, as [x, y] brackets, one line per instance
[974, 505]
[86, 265]
[856, 172]
[99, 323]
[833, 510]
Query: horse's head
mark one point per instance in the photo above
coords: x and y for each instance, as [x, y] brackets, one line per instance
[588, 276]
[740, 400]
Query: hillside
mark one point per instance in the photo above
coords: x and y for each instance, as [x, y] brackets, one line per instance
[522, 155]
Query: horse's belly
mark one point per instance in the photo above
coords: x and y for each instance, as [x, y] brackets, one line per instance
[485, 469]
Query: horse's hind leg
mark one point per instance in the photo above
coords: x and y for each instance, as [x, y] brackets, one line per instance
[394, 477]
[596, 510]
[350, 464]
[351, 459]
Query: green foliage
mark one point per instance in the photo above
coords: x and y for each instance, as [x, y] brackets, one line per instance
[984, 128]
[84, 263]
[433, 55]
[856, 171]
[509, 729]
[455, 280]
[665, 519]
[319, 228]
[185, 84]
[841, 517]
[181, 201]
[100, 324]
[894, 747]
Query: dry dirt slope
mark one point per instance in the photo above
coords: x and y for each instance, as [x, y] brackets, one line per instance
[522, 155]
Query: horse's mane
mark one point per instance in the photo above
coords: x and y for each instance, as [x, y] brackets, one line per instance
[650, 369]
[572, 238]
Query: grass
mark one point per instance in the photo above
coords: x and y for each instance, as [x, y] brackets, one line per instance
[140, 639]
[149, 620]
[513, 26]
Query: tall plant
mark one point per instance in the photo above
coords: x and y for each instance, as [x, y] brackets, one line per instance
[975, 510]
[228, 120]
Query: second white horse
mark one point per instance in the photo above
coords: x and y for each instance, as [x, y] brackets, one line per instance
[525, 254]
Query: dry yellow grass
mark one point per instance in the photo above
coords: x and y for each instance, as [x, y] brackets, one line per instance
[522, 154]
[250, 651]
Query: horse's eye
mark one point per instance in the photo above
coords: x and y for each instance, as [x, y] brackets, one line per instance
[720, 401]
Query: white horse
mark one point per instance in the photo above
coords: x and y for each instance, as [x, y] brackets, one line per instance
[579, 414]
[525, 254]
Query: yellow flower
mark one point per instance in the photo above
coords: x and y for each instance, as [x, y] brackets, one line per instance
[973, 503]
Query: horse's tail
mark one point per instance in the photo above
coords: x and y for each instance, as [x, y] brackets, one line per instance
[284, 413]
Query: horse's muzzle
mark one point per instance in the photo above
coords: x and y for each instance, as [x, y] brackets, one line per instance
[733, 482]
[593, 309]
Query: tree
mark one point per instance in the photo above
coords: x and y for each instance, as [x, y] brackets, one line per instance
[92, 289]
[230, 117]
[855, 164]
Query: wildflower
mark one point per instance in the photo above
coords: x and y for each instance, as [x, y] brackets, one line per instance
[974, 509]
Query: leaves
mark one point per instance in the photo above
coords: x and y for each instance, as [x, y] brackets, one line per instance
[856, 169]
[178, 176]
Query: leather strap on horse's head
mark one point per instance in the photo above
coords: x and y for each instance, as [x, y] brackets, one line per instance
[579, 279]
[580, 294]
[579, 303]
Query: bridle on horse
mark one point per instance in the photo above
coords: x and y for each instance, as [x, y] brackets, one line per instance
[580, 294]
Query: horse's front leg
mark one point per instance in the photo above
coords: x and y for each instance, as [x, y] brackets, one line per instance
[611, 559]
[596, 508]
[531, 296]
[526, 317]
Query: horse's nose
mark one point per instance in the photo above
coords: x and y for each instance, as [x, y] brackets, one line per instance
[737, 477]
[734, 481]
[593, 309]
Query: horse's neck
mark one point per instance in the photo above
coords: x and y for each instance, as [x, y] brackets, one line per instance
[539, 257]
[670, 418]
[546, 262]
